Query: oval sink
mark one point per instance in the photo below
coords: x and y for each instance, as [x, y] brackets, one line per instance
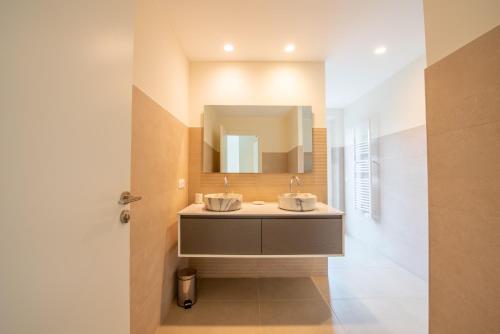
[297, 201]
[223, 201]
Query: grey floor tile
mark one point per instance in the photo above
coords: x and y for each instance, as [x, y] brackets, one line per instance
[301, 288]
[240, 289]
[213, 313]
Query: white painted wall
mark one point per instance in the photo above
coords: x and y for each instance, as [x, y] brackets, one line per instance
[65, 101]
[398, 103]
[256, 83]
[450, 24]
[160, 66]
[273, 132]
[400, 230]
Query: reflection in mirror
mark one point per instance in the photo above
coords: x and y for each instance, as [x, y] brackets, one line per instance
[241, 154]
[257, 139]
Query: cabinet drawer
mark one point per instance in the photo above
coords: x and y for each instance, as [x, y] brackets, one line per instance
[290, 236]
[220, 236]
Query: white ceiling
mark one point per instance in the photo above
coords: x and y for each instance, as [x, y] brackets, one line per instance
[341, 32]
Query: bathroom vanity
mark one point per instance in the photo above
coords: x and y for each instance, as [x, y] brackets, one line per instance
[260, 231]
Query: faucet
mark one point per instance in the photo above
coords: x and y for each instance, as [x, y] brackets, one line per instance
[226, 184]
[295, 179]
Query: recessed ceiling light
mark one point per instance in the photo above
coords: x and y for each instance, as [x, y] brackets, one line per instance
[380, 50]
[289, 48]
[228, 47]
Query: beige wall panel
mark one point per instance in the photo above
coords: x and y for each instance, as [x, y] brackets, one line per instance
[274, 162]
[463, 104]
[159, 159]
[228, 267]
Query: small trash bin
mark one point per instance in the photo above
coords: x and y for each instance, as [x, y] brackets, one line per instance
[186, 287]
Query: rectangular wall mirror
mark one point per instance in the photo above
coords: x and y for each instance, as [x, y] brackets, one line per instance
[257, 139]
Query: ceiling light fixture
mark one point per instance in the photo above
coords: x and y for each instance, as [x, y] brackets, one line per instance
[228, 47]
[289, 48]
[380, 50]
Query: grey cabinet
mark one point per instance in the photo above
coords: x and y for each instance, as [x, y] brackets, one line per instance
[230, 236]
[222, 236]
[295, 236]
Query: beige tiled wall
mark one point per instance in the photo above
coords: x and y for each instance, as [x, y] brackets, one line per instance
[159, 159]
[463, 127]
[274, 162]
[254, 187]
[265, 187]
[229, 267]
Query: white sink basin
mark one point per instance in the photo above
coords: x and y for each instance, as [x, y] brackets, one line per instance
[223, 201]
[297, 201]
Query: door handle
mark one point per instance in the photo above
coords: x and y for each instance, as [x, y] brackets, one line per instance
[126, 197]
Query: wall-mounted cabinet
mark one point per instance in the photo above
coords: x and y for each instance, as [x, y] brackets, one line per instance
[299, 236]
[223, 236]
[263, 232]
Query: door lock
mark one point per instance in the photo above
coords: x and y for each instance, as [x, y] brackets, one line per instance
[125, 216]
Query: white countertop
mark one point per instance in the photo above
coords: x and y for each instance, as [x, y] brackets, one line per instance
[269, 209]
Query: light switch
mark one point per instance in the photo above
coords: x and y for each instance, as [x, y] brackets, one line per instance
[182, 184]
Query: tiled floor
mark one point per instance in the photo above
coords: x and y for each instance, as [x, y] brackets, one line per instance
[365, 293]
[371, 294]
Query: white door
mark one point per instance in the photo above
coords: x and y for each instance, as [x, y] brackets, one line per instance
[65, 113]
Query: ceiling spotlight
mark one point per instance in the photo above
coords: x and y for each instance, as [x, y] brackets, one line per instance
[289, 48]
[380, 50]
[228, 47]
